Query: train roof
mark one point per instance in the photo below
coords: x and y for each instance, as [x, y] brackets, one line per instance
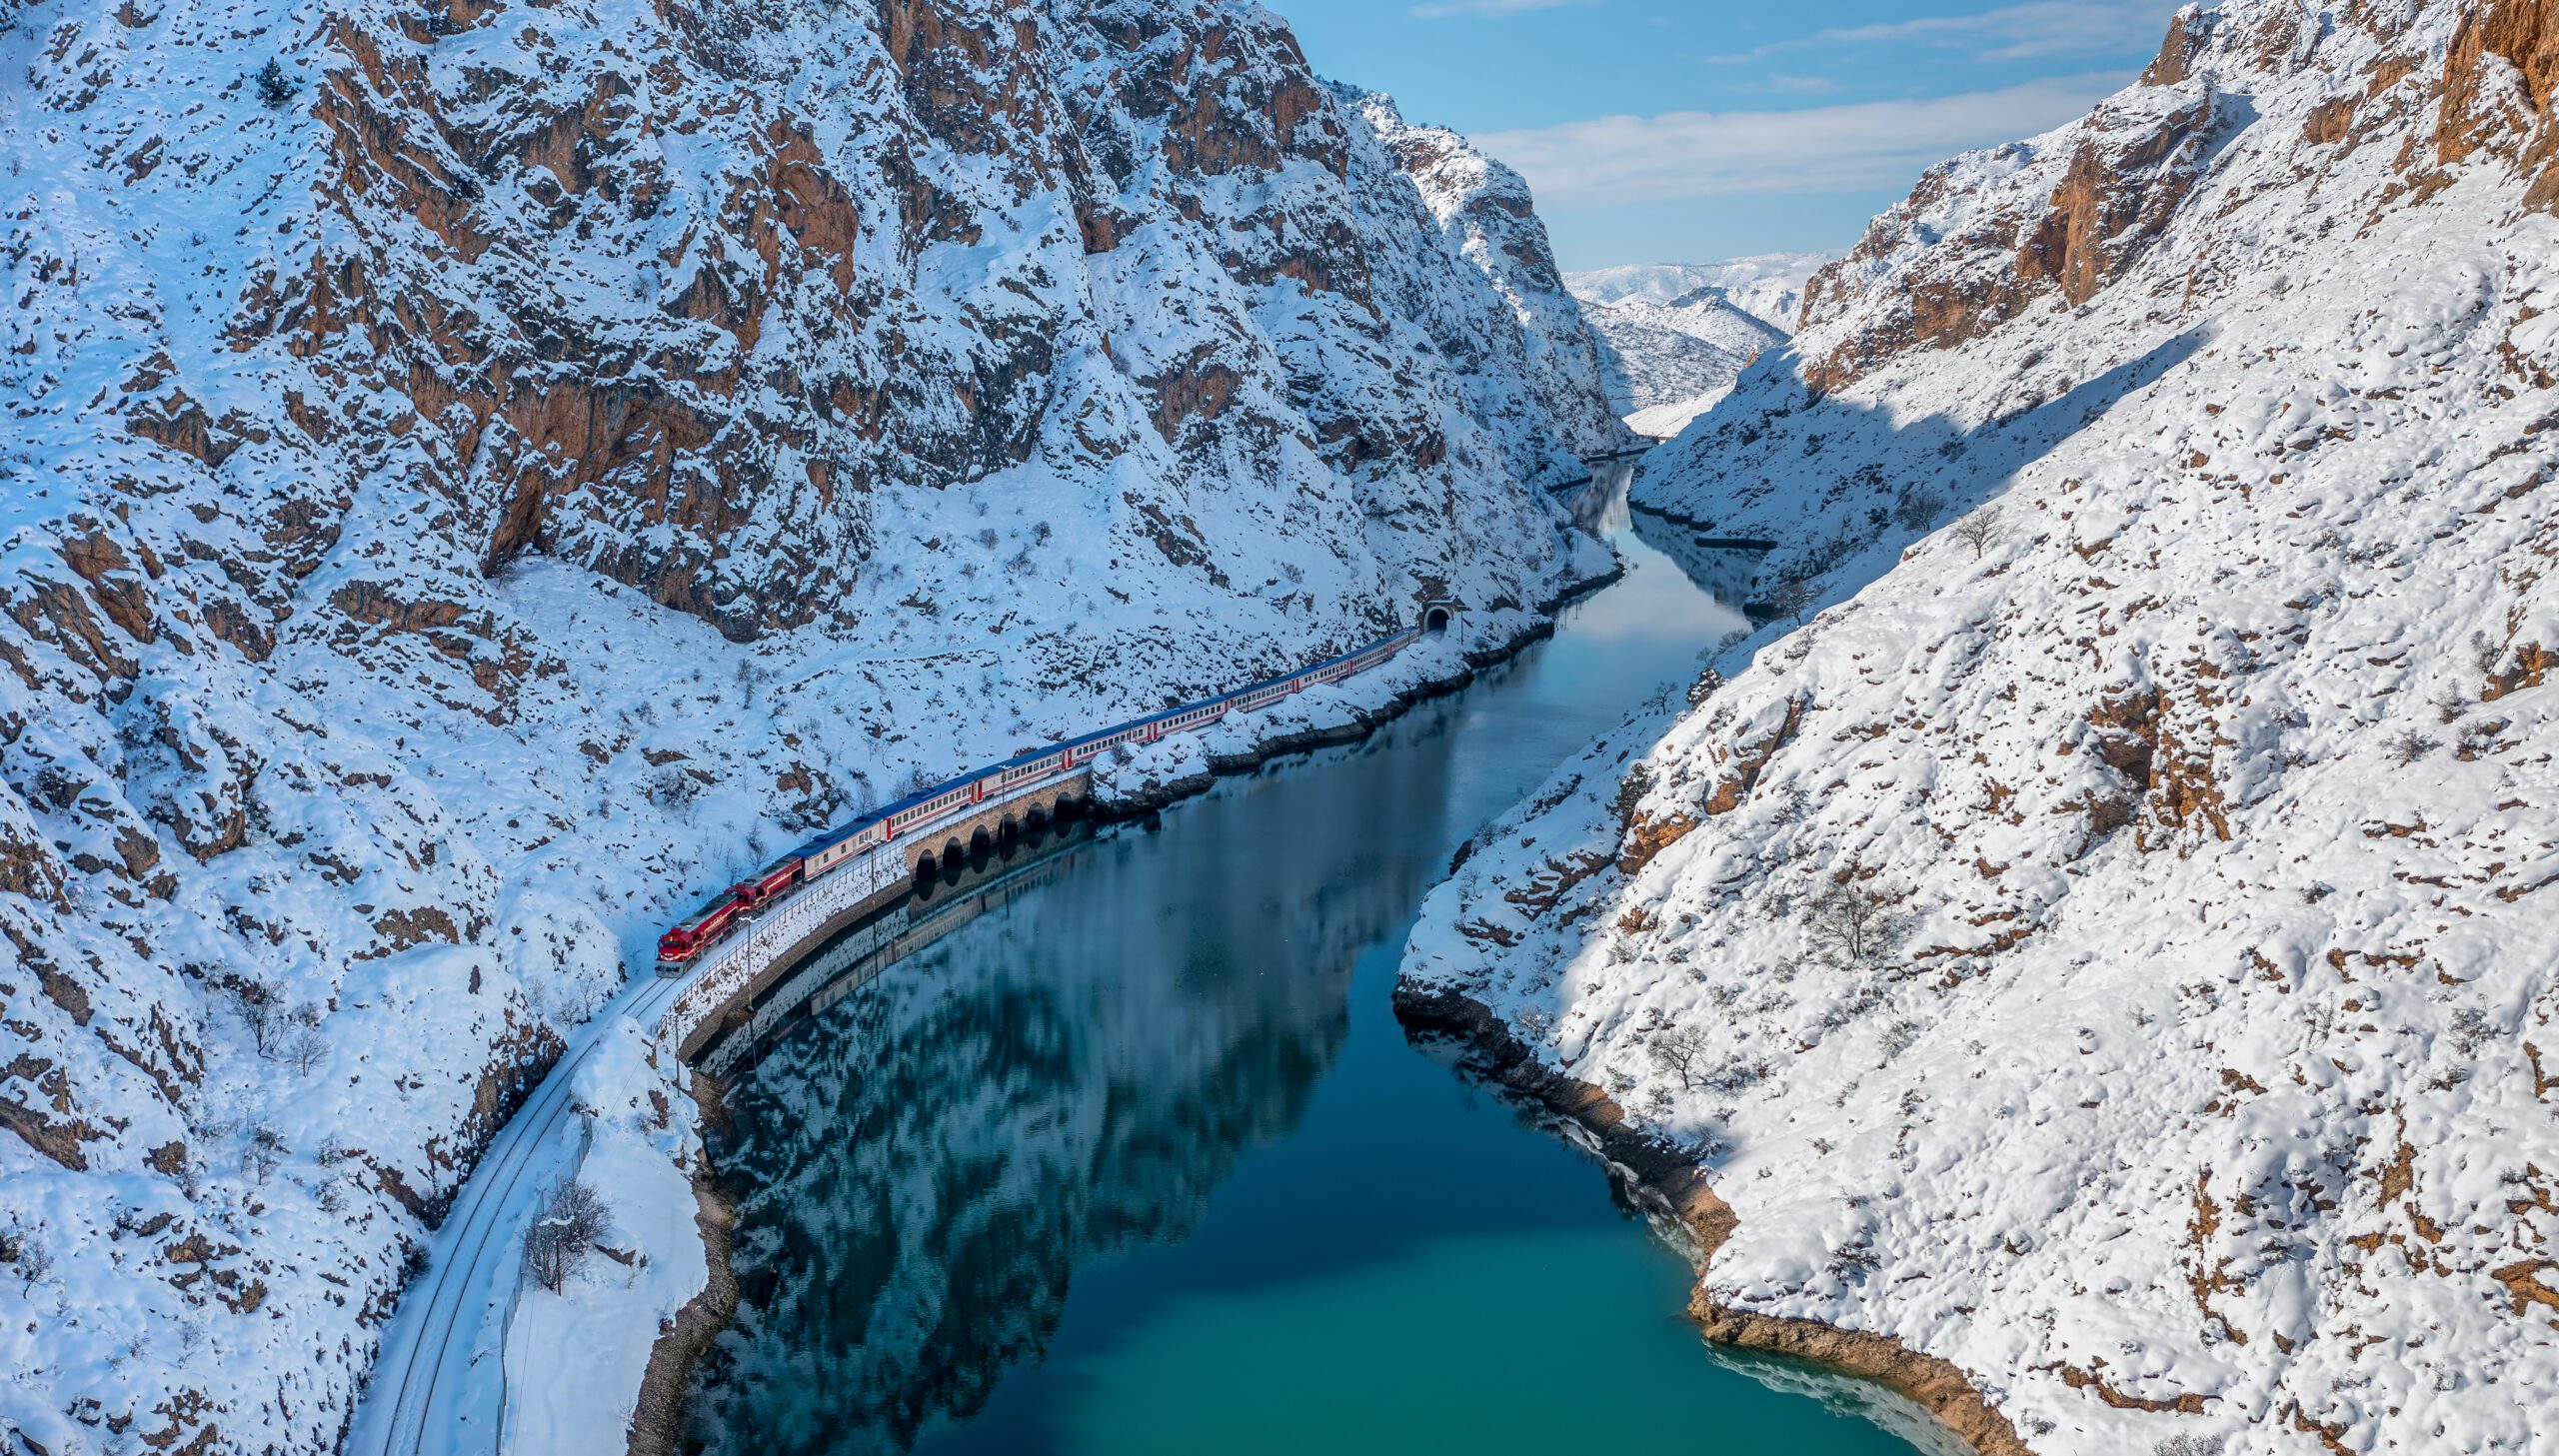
[718, 898]
[841, 833]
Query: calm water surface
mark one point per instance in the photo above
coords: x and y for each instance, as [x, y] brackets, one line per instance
[1137, 1160]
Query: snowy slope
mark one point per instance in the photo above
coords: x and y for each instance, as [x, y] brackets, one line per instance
[1486, 215]
[2109, 945]
[507, 468]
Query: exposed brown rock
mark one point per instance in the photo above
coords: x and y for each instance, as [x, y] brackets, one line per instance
[2116, 198]
[1748, 761]
[2523, 34]
[59, 1135]
[2186, 34]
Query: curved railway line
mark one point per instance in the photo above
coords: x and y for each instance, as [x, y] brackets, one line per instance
[422, 1398]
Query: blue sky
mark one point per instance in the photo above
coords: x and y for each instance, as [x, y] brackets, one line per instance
[1692, 130]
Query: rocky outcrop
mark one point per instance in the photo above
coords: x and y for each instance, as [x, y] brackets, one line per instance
[2128, 167]
[2498, 80]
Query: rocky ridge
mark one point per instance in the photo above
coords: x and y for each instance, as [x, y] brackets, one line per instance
[2095, 938]
[479, 473]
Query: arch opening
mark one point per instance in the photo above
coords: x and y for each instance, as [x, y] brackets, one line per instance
[1435, 619]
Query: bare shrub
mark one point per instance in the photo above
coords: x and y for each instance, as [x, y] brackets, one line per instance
[565, 1229]
[264, 1154]
[2190, 1446]
[1793, 598]
[1918, 509]
[1679, 1052]
[1978, 529]
[2408, 747]
[30, 1252]
[672, 788]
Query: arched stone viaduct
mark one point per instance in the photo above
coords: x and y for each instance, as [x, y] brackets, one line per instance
[744, 966]
[943, 849]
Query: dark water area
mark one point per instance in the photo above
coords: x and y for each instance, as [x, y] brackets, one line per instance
[1124, 1152]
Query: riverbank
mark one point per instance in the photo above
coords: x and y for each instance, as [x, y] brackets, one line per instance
[1152, 796]
[1672, 1188]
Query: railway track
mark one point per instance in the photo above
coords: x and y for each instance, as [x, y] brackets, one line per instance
[422, 1400]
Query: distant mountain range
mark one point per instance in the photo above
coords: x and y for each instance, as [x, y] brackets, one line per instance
[1674, 336]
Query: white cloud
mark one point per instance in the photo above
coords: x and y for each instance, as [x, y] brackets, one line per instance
[1682, 154]
[1444, 9]
[2037, 30]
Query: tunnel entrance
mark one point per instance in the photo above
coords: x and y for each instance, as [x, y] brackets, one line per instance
[1437, 614]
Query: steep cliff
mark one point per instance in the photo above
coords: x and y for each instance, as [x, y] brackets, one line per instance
[2101, 935]
[479, 473]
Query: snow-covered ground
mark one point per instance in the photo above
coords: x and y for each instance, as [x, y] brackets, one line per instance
[2108, 944]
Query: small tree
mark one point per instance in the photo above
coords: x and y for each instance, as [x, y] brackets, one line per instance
[306, 1049]
[1850, 925]
[275, 88]
[1919, 508]
[262, 1011]
[1979, 529]
[1679, 1052]
[2190, 1446]
[565, 1229]
[1707, 685]
[1638, 783]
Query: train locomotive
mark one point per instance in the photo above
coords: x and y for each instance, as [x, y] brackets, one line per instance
[724, 913]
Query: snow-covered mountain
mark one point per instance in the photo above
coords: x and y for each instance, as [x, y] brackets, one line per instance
[1667, 362]
[1674, 336]
[478, 474]
[1766, 286]
[2104, 957]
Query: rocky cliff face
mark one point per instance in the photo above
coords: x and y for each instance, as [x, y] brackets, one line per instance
[477, 473]
[2099, 936]
[1486, 215]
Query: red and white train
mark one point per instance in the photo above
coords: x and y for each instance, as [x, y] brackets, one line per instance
[733, 906]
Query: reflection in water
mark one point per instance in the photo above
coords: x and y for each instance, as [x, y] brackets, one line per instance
[1600, 506]
[1166, 1080]
[929, 1161]
[1720, 571]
